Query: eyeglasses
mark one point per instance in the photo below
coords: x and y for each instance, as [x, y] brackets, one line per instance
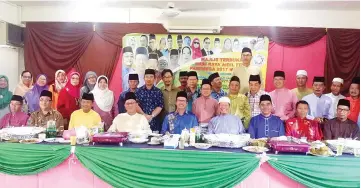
[343, 110]
[196, 42]
[44, 100]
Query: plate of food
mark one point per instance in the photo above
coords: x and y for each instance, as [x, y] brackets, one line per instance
[255, 149]
[202, 145]
[261, 142]
[63, 141]
[53, 140]
[138, 140]
[31, 141]
[323, 151]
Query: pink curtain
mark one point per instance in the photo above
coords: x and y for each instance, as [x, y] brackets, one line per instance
[290, 59]
[116, 81]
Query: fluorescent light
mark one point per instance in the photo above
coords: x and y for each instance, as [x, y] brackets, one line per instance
[192, 31]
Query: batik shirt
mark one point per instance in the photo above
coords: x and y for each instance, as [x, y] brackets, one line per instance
[148, 101]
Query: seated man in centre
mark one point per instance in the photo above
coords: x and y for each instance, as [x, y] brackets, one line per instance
[85, 116]
[266, 125]
[180, 119]
[225, 122]
[131, 121]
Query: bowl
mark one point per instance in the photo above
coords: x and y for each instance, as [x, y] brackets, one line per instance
[202, 145]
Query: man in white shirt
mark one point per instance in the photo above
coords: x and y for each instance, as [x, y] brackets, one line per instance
[335, 95]
[131, 121]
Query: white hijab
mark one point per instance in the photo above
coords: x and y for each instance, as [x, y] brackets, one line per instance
[58, 85]
[103, 98]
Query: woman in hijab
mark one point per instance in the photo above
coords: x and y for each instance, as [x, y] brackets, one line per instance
[89, 82]
[25, 84]
[5, 95]
[59, 83]
[196, 49]
[68, 100]
[32, 97]
[104, 101]
[227, 46]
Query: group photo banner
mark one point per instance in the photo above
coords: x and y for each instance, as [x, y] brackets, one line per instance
[205, 54]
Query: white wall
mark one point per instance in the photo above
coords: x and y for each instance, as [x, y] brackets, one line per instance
[11, 58]
[241, 17]
[9, 65]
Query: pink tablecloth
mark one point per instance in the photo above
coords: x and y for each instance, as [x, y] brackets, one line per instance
[74, 175]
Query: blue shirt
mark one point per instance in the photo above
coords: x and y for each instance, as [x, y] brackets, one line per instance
[217, 96]
[125, 77]
[191, 97]
[175, 123]
[266, 127]
[227, 124]
[149, 100]
[121, 101]
[319, 106]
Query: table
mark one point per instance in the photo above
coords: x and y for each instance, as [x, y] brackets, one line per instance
[90, 159]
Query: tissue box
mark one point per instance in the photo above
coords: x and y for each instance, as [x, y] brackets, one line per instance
[171, 143]
[119, 137]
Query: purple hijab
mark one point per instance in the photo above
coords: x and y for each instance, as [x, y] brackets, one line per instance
[32, 96]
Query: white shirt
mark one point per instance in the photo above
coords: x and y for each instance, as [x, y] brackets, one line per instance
[335, 100]
[319, 106]
[130, 123]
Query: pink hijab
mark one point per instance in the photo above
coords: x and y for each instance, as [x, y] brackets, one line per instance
[196, 52]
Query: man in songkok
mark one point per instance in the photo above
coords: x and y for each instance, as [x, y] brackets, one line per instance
[150, 100]
[320, 105]
[180, 119]
[46, 114]
[127, 65]
[254, 94]
[341, 126]
[174, 57]
[183, 77]
[266, 125]
[205, 107]
[169, 93]
[152, 62]
[216, 82]
[179, 43]
[239, 102]
[354, 99]
[130, 121]
[141, 59]
[192, 90]
[85, 116]
[16, 118]
[301, 80]
[132, 85]
[284, 100]
[300, 126]
[152, 48]
[225, 122]
[335, 94]
[246, 69]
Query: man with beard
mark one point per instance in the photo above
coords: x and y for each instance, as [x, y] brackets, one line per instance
[301, 90]
[183, 77]
[216, 82]
[354, 99]
[335, 95]
[152, 48]
[169, 93]
[320, 105]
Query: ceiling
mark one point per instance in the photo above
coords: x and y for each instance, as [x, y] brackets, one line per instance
[207, 5]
